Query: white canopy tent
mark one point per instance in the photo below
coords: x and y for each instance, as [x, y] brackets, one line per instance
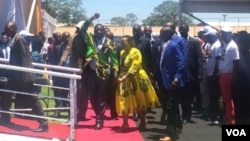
[49, 24]
[216, 6]
[213, 6]
[28, 15]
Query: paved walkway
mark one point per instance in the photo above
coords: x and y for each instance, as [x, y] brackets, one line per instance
[201, 130]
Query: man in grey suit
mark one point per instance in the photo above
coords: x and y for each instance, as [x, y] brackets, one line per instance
[22, 81]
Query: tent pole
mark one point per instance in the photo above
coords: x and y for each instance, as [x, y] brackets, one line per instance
[31, 14]
[180, 12]
[191, 15]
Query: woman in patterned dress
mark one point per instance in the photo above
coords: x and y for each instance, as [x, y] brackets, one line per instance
[135, 91]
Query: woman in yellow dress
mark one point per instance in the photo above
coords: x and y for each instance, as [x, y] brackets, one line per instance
[135, 92]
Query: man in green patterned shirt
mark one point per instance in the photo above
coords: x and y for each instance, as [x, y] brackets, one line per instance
[101, 60]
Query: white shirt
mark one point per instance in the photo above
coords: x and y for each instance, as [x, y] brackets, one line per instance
[151, 42]
[164, 46]
[211, 52]
[228, 53]
[6, 52]
[44, 49]
[100, 43]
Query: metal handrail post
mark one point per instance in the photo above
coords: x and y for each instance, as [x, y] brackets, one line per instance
[73, 90]
[73, 108]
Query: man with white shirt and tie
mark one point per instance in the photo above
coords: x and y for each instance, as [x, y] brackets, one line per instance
[4, 53]
[4, 46]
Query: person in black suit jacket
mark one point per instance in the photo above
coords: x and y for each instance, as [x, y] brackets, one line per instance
[147, 32]
[143, 44]
[161, 91]
[194, 70]
[22, 81]
[60, 81]
[5, 99]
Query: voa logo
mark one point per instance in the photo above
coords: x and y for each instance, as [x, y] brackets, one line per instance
[236, 132]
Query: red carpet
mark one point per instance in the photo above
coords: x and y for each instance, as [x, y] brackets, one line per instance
[84, 132]
[110, 132]
[24, 127]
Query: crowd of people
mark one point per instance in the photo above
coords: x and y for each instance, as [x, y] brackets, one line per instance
[208, 73]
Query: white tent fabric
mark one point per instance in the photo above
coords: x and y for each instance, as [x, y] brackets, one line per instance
[23, 13]
[216, 6]
[13, 10]
[49, 24]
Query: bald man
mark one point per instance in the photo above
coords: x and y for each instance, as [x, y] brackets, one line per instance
[143, 44]
[171, 25]
[172, 66]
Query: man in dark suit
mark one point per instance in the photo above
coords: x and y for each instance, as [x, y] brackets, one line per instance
[4, 51]
[60, 81]
[157, 77]
[172, 66]
[77, 52]
[22, 81]
[147, 31]
[4, 46]
[194, 70]
[112, 82]
[241, 80]
[143, 44]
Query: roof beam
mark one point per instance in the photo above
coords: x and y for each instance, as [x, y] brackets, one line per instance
[216, 6]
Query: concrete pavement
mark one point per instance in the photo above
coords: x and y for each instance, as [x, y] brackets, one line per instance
[201, 130]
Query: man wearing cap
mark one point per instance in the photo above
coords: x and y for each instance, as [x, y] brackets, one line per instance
[21, 81]
[228, 57]
[211, 37]
[77, 51]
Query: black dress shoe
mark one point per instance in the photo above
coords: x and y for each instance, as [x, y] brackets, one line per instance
[42, 128]
[114, 116]
[135, 117]
[190, 121]
[98, 126]
[184, 121]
